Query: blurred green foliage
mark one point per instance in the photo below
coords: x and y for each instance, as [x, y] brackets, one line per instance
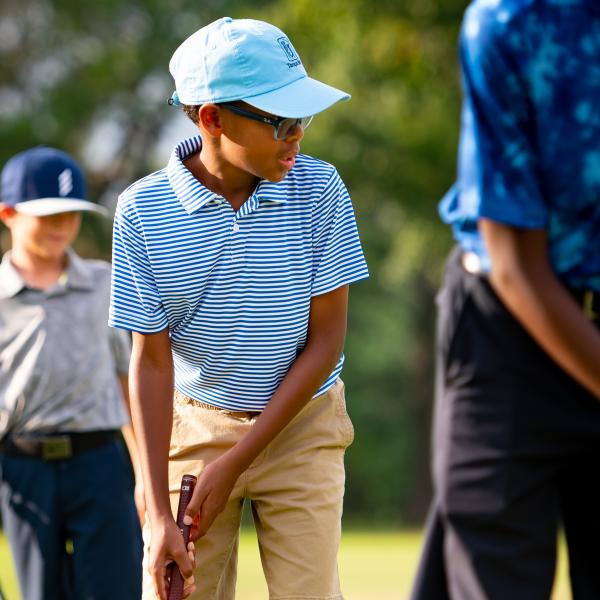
[92, 78]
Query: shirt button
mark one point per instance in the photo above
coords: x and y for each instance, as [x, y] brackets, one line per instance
[236, 227]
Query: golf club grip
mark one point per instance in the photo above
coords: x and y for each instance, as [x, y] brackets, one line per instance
[185, 495]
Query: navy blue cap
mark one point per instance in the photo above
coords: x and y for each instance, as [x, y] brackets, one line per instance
[45, 181]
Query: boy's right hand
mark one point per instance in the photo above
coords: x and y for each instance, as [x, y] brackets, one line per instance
[166, 545]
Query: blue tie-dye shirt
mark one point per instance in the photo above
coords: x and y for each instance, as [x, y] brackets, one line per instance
[529, 152]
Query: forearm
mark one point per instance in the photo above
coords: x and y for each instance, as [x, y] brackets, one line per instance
[325, 342]
[304, 378]
[527, 285]
[151, 400]
[127, 430]
[129, 438]
[552, 317]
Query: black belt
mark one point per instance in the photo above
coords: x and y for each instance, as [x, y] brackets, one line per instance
[589, 300]
[56, 446]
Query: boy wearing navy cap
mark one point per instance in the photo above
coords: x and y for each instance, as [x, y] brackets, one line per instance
[63, 472]
[232, 267]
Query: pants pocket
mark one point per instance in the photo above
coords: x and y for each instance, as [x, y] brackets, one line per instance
[339, 400]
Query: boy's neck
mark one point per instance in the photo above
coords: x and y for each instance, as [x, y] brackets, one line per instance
[235, 185]
[37, 271]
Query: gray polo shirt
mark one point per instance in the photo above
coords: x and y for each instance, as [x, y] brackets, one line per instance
[58, 357]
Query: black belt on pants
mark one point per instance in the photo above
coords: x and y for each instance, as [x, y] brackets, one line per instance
[589, 300]
[56, 446]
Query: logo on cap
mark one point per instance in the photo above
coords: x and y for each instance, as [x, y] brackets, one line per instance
[290, 53]
[65, 182]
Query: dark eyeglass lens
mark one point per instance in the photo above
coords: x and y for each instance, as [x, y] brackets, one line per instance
[285, 128]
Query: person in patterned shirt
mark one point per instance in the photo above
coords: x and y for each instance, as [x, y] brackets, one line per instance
[516, 435]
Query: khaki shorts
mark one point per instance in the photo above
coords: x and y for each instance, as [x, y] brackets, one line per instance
[296, 488]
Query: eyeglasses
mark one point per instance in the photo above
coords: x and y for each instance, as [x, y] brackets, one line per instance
[283, 125]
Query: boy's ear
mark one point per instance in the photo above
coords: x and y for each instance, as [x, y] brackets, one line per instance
[6, 213]
[209, 119]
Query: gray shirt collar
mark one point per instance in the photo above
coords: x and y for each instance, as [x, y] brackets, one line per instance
[77, 276]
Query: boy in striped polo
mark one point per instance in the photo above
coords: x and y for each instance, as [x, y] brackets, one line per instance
[231, 268]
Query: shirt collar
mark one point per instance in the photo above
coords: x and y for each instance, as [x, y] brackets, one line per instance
[270, 191]
[79, 276]
[192, 194]
[11, 282]
[76, 276]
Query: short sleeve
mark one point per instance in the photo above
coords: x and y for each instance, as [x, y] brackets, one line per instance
[135, 302]
[498, 161]
[337, 254]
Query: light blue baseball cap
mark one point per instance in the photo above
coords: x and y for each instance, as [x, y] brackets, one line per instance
[249, 60]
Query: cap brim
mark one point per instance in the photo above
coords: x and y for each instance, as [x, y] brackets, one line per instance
[44, 207]
[302, 98]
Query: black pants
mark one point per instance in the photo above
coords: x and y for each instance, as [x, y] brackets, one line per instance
[88, 499]
[516, 451]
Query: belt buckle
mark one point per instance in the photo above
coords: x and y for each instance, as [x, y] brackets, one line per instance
[471, 263]
[56, 447]
[588, 305]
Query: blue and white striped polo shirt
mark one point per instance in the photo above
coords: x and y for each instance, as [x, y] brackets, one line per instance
[234, 289]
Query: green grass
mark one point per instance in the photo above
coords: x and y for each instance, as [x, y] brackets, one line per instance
[373, 565]
[7, 574]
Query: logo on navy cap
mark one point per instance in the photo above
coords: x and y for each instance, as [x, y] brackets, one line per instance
[65, 182]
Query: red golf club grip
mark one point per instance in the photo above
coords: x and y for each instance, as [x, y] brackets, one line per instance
[185, 495]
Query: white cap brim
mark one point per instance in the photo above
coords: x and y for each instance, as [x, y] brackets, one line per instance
[44, 207]
[304, 97]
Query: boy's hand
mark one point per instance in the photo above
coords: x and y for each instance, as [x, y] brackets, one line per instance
[166, 545]
[211, 494]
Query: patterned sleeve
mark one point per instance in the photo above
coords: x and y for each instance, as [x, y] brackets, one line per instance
[498, 163]
[338, 256]
[135, 302]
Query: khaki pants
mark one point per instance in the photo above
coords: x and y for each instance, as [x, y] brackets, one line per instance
[296, 487]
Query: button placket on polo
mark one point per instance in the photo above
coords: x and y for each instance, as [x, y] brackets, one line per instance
[237, 236]
[54, 311]
[240, 228]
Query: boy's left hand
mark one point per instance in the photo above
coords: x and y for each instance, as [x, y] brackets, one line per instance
[210, 496]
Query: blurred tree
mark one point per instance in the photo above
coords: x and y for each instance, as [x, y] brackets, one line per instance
[93, 78]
